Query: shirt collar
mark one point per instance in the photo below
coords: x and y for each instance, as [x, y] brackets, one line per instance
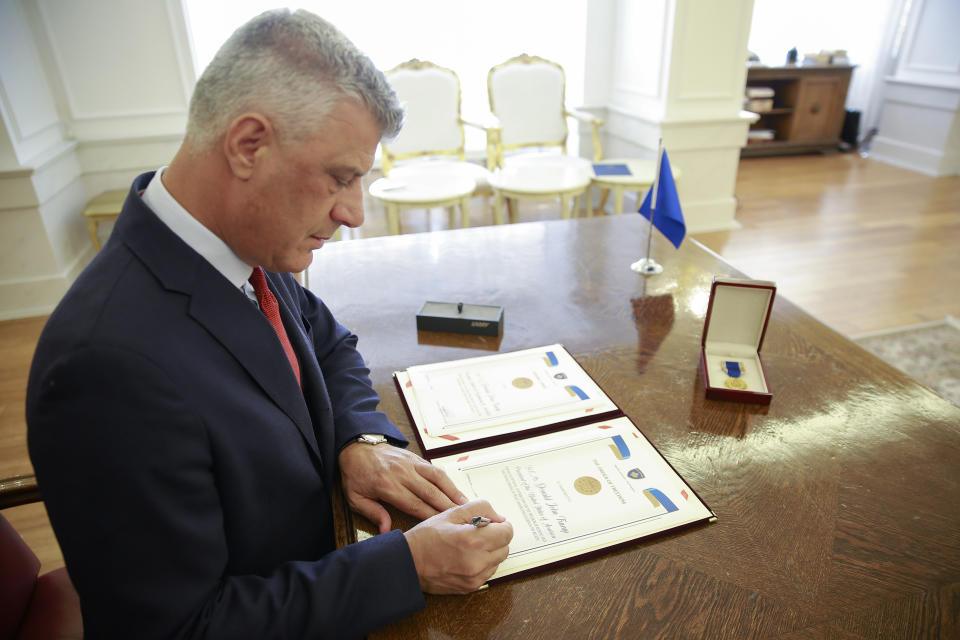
[190, 230]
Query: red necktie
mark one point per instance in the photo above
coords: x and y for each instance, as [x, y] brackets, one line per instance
[268, 304]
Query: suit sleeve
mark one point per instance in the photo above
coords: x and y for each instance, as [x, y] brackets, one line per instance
[346, 376]
[129, 478]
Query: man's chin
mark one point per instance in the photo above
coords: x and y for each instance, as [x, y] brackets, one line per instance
[293, 264]
[302, 263]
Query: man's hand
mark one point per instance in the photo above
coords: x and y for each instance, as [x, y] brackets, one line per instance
[454, 556]
[383, 472]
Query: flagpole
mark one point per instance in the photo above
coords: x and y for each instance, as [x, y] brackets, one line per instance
[648, 266]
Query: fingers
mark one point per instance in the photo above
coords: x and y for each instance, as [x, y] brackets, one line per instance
[438, 478]
[479, 507]
[422, 489]
[409, 502]
[420, 492]
[402, 479]
[496, 535]
[371, 510]
[453, 556]
[399, 477]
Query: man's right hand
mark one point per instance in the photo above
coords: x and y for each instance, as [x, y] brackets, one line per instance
[454, 556]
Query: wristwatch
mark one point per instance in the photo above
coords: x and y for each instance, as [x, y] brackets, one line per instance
[372, 438]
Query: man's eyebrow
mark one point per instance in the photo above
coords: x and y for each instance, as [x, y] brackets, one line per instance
[350, 169]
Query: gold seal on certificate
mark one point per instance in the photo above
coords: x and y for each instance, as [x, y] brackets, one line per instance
[735, 383]
[522, 383]
[587, 485]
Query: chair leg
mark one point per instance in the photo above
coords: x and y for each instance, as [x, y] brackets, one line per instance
[512, 210]
[603, 199]
[92, 230]
[451, 216]
[393, 219]
[565, 207]
[465, 212]
[498, 208]
[618, 200]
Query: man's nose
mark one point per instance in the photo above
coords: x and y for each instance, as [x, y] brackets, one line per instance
[348, 209]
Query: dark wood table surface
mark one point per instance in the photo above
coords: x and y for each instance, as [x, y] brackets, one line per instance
[838, 505]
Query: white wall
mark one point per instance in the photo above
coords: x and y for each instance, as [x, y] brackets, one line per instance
[91, 94]
[920, 121]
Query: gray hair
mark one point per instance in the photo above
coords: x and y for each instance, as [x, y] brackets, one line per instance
[294, 67]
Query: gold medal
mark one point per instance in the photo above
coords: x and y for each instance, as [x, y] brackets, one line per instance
[587, 485]
[522, 383]
[735, 383]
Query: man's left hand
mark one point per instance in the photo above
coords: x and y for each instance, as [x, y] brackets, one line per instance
[383, 472]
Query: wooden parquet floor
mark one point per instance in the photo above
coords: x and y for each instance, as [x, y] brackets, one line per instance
[859, 244]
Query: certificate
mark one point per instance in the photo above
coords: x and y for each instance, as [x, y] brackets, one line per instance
[453, 403]
[576, 492]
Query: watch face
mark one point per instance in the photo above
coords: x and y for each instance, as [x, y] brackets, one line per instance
[372, 438]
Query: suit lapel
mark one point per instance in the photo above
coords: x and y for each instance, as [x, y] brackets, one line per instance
[222, 309]
[242, 328]
[311, 377]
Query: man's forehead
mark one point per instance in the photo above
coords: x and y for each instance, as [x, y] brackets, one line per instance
[350, 132]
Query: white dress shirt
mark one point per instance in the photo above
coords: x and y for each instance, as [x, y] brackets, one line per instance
[197, 236]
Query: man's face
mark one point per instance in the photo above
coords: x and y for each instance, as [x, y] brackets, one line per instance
[305, 189]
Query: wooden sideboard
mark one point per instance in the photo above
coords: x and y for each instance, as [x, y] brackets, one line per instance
[808, 108]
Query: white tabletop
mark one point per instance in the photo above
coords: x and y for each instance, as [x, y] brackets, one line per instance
[543, 175]
[641, 172]
[413, 186]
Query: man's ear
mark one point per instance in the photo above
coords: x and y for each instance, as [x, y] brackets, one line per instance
[248, 138]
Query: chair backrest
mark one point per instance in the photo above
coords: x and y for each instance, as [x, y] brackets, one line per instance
[32, 606]
[432, 125]
[19, 568]
[527, 96]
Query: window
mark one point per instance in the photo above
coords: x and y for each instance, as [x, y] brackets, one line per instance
[468, 37]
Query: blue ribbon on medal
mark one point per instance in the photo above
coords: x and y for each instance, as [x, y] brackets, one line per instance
[733, 368]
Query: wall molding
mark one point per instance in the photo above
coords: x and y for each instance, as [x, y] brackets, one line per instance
[908, 156]
[33, 184]
[39, 295]
[916, 124]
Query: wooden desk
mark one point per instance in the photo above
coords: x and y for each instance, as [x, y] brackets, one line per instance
[838, 505]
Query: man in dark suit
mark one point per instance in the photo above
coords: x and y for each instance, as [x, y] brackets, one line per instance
[190, 405]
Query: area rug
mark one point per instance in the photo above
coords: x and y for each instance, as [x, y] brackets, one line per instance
[928, 352]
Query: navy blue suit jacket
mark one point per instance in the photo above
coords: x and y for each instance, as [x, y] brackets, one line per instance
[186, 475]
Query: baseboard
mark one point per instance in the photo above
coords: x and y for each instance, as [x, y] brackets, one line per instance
[39, 295]
[907, 156]
[949, 320]
[30, 297]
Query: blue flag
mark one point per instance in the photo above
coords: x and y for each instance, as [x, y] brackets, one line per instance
[667, 216]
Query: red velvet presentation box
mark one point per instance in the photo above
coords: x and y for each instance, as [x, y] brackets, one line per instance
[737, 318]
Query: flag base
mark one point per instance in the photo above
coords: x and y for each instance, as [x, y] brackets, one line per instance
[647, 267]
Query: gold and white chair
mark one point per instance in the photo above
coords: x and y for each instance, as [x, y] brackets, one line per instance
[527, 97]
[425, 166]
